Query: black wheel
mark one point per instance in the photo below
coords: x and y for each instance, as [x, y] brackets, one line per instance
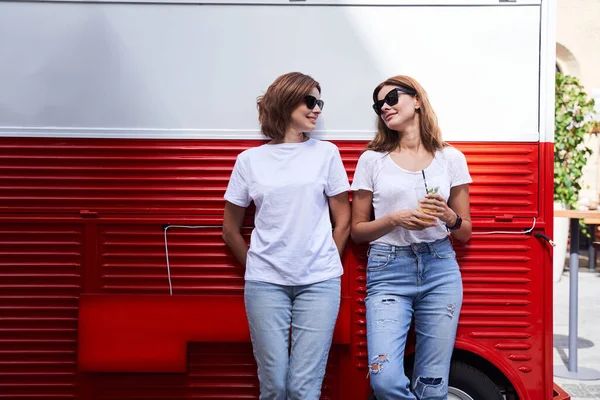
[468, 383]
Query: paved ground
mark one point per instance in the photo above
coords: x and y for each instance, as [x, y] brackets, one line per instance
[589, 331]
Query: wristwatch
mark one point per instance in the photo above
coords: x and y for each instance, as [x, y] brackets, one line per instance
[456, 225]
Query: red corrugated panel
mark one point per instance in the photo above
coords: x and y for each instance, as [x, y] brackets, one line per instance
[503, 300]
[132, 259]
[115, 176]
[136, 387]
[505, 179]
[504, 176]
[228, 371]
[136, 186]
[222, 371]
[502, 305]
[190, 177]
[40, 270]
[216, 371]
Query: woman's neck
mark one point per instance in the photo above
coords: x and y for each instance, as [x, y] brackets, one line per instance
[291, 136]
[410, 140]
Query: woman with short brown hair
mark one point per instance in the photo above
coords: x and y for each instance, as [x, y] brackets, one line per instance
[293, 265]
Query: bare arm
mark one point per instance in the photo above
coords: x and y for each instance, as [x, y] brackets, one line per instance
[366, 230]
[363, 229]
[339, 205]
[459, 203]
[233, 219]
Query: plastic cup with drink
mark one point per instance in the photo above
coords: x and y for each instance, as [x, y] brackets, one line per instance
[422, 189]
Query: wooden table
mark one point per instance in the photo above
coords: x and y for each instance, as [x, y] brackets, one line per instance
[592, 218]
[581, 214]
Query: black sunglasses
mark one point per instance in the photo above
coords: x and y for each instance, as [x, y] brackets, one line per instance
[391, 99]
[311, 102]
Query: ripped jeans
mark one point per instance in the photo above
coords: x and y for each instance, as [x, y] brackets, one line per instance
[291, 372]
[422, 280]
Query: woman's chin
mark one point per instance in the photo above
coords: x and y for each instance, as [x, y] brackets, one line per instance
[309, 128]
[395, 125]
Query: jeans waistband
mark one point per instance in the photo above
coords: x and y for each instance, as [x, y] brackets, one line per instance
[424, 247]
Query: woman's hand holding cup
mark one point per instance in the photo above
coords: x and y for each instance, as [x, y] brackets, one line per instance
[434, 205]
[413, 220]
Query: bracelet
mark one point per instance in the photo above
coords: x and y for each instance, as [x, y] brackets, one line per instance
[456, 225]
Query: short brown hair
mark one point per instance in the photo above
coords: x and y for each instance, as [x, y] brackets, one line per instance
[275, 107]
[388, 140]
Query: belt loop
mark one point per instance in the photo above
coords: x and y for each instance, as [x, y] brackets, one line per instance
[430, 245]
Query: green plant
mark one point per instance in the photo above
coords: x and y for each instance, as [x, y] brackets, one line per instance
[573, 112]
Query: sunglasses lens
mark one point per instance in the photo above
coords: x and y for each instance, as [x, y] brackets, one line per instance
[392, 98]
[311, 102]
[377, 106]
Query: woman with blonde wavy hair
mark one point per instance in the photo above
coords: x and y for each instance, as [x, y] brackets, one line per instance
[417, 187]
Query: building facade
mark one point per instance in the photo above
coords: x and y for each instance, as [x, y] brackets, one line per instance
[578, 54]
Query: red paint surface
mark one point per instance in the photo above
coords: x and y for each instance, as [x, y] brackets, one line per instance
[150, 333]
[84, 283]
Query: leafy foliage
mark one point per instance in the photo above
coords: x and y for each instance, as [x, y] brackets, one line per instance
[573, 119]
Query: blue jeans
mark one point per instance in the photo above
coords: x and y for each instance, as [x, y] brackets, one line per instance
[420, 280]
[311, 311]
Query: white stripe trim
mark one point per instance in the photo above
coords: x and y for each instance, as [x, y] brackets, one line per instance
[238, 134]
[497, 3]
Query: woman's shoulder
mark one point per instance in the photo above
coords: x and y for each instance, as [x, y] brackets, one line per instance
[251, 155]
[323, 144]
[372, 155]
[452, 153]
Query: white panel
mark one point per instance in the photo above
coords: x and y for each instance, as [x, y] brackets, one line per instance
[502, 3]
[548, 71]
[128, 70]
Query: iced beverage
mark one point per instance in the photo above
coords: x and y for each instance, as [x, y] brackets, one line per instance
[421, 192]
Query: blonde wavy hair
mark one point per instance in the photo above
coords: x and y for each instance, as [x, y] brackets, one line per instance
[388, 140]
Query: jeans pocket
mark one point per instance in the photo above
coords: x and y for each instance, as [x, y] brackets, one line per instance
[378, 261]
[444, 253]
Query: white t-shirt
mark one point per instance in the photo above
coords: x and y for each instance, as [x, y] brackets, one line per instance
[394, 189]
[292, 242]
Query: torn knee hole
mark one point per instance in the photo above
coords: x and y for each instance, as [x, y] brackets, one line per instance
[430, 381]
[377, 364]
[429, 387]
[451, 308]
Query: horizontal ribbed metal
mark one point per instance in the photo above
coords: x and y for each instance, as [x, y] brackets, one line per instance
[500, 295]
[146, 183]
[190, 177]
[39, 286]
[132, 259]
